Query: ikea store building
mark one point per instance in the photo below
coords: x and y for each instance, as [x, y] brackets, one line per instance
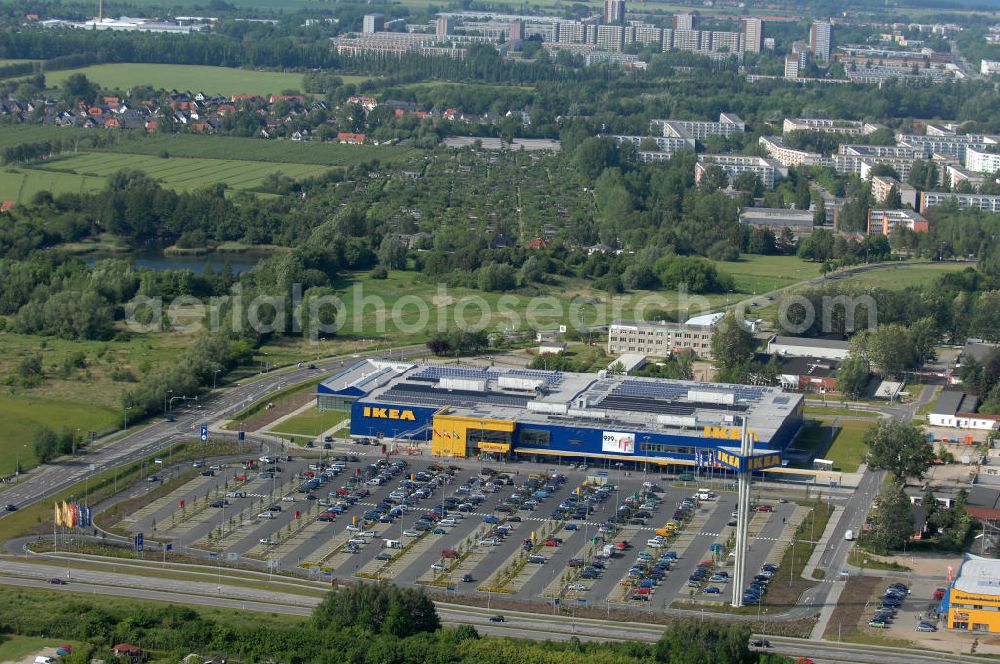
[467, 411]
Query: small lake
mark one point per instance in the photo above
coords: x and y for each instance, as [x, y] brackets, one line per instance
[154, 259]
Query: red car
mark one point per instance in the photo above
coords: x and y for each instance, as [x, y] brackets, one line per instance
[551, 542]
[706, 563]
[308, 473]
[939, 593]
[343, 492]
[623, 545]
[643, 591]
[763, 508]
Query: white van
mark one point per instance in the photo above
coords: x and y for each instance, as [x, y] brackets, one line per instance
[266, 515]
[705, 494]
[392, 544]
[43, 659]
[849, 535]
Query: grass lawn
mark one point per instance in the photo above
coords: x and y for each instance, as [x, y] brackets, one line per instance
[759, 274]
[848, 447]
[849, 412]
[210, 80]
[311, 423]
[897, 278]
[262, 150]
[14, 648]
[21, 184]
[22, 417]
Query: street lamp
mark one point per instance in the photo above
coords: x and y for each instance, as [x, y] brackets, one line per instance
[125, 410]
[215, 376]
[165, 402]
[17, 467]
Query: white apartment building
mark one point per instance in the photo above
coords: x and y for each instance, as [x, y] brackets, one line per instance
[775, 147]
[768, 170]
[979, 160]
[753, 34]
[847, 127]
[727, 125]
[663, 143]
[929, 199]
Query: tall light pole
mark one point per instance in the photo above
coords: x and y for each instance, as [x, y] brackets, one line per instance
[165, 402]
[125, 410]
[742, 515]
[215, 376]
[17, 466]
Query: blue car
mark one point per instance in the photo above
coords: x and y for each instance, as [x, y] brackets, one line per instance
[751, 599]
[571, 526]
[439, 531]
[670, 555]
[490, 519]
[712, 590]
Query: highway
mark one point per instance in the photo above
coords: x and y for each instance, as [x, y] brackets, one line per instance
[49, 479]
[229, 594]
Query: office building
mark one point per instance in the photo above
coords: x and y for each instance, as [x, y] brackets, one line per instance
[525, 414]
[821, 40]
[752, 30]
[661, 339]
[614, 12]
[372, 23]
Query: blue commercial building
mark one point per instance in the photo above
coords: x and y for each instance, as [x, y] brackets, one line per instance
[604, 419]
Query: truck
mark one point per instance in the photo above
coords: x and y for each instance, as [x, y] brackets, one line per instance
[608, 551]
[849, 535]
[667, 531]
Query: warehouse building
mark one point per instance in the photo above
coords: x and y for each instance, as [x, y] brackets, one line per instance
[973, 600]
[466, 411]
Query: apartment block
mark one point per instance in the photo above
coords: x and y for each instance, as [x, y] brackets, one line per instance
[786, 156]
[768, 170]
[981, 160]
[728, 124]
[610, 37]
[648, 34]
[683, 22]
[663, 143]
[885, 222]
[821, 40]
[846, 127]
[929, 199]
[792, 68]
[753, 34]
[882, 185]
[951, 145]
[372, 23]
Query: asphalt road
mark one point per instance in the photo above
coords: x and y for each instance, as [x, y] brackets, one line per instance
[49, 479]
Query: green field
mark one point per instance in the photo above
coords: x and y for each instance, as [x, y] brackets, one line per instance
[258, 149]
[848, 448]
[210, 80]
[759, 274]
[21, 184]
[28, 133]
[311, 423]
[15, 648]
[180, 173]
[901, 277]
[22, 417]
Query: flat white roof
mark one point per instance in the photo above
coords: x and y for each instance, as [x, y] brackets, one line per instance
[979, 575]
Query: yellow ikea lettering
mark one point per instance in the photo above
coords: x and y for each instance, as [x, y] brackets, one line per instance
[389, 413]
[727, 433]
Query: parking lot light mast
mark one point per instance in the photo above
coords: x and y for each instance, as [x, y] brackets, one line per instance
[742, 514]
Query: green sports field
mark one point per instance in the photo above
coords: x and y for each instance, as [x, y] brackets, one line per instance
[210, 80]
[88, 171]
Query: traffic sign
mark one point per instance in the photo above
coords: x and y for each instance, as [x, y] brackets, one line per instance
[204, 432]
[138, 542]
[451, 588]
[92, 435]
[232, 557]
[581, 600]
[715, 548]
[170, 547]
[555, 602]
[602, 473]
[213, 554]
[241, 436]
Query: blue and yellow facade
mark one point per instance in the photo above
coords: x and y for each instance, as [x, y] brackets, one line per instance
[972, 602]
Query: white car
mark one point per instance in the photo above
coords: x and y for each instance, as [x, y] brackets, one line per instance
[267, 540]
[266, 515]
[447, 521]
[353, 528]
[578, 586]
[288, 499]
[411, 533]
[264, 459]
[489, 541]
[368, 533]
[439, 567]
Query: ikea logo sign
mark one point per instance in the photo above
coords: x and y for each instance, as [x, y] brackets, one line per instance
[764, 461]
[756, 462]
[389, 413]
[727, 459]
[727, 433]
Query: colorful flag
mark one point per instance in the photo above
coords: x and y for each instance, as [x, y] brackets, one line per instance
[59, 520]
[66, 517]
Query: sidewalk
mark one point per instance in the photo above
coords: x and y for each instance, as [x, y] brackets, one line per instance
[831, 576]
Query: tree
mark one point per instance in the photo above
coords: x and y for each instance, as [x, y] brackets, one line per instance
[392, 253]
[496, 277]
[803, 196]
[900, 448]
[893, 525]
[732, 347]
[45, 444]
[852, 376]
[889, 349]
[713, 179]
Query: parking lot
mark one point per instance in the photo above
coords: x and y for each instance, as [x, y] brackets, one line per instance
[568, 534]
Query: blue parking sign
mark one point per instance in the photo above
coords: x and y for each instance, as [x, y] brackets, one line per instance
[241, 436]
[204, 432]
[138, 542]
